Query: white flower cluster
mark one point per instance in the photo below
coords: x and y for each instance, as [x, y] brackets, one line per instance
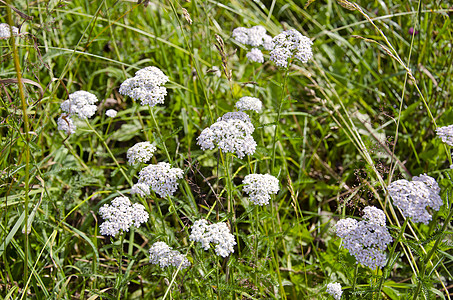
[65, 123]
[121, 215]
[255, 37]
[288, 44]
[146, 86]
[255, 55]
[412, 197]
[163, 255]
[366, 240]
[111, 113]
[249, 103]
[334, 289]
[5, 30]
[140, 152]
[141, 189]
[232, 133]
[260, 187]
[81, 104]
[446, 134]
[161, 178]
[218, 234]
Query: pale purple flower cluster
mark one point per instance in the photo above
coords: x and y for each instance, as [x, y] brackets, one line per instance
[446, 134]
[413, 197]
[217, 234]
[140, 152]
[163, 255]
[121, 215]
[146, 86]
[290, 44]
[366, 240]
[249, 103]
[232, 133]
[260, 187]
[161, 178]
[5, 31]
[334, 289]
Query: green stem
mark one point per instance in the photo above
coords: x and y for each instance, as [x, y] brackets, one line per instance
[120, 271]
[356, 271]
[160, 135]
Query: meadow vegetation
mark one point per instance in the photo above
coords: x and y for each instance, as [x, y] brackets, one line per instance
[334, 186]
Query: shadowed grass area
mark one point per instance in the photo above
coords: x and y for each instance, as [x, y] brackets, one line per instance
[335, 131]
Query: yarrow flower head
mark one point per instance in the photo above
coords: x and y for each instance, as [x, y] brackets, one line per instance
[141, 189]
[65, 123]
[121, 215]
[366, 240]
[140, 152]
[232, 133]
[163, 255]
[446, 134]
[111, 113]
[260, 187]
[290, 44]
[80, 103]
[255, 36]
[255, 55]
[249, 103]
[5, 30]
[161, 178]
[334, 289]
[413, 197]
[146, 86]
[217, 234]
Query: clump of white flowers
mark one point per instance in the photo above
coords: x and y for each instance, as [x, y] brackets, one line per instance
[255, 55]
[366, 240]
[334, 289]
[111, 113]
[140, 152]
[249, 103]
[161, 178]
[260, 187]
[413, 197]
[217, 234]
[146, 86]
[163, 255]
[288, 45]
[446, 134]
[121, 215]
[65, 123]
[232, 133]
[5, 30]
[80, 103]
[141, 189]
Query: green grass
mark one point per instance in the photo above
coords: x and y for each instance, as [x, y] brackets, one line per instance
[361, 114]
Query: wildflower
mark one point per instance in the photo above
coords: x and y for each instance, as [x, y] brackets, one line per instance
[412, 31]
[255, 37]
[121, 215]
[111, 113]
[5, 30]
[446, 134]
[267, 42]
[249, 103]
[141, 189]
[146, 86]
[163, 255]
[80, 103]
[260, 187]
[334, 289]
[240, 35]
[161, 178]
[366, 240]
[140, 152]
[290, 44]
[218, 234]
[65, 123]
[255, 55]
[232, 133]
[412, 197]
